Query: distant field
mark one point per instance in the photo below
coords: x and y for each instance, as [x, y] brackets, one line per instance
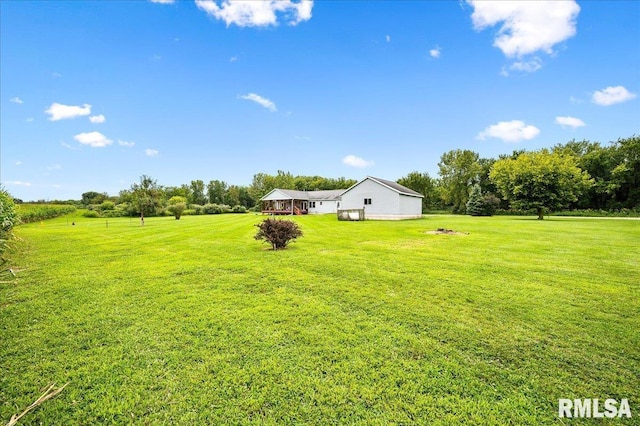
[195, 322]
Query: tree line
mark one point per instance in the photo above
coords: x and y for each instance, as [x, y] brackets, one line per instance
[581, 175]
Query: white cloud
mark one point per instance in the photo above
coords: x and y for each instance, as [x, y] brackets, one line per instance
[353, 161]
[60, 112]
[18, 183]
[56, 75]
[575, 100]
[29, 120]
[261, 101]
[509, 131]
[570, 122]
[97, 119]
[435, 52]
[18, 163]
[93, 139]
[526, 26]
[388, 38]
[612, 95]
[257, 13]
[126, 144]
[163, 1]
[16, 100]
[151, 152]
[233, 59]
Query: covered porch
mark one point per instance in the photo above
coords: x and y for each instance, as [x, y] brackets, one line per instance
[284, 207]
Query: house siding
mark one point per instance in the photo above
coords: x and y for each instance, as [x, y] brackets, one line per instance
[328, 206]
[384, 201]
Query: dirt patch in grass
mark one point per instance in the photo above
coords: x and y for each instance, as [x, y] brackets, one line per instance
[446, 232]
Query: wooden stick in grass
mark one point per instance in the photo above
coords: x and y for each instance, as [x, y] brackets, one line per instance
[48, 394]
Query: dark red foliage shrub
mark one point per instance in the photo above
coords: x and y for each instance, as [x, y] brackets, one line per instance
[278, 232]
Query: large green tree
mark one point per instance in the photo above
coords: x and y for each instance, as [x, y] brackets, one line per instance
[459, 170]
[147, 196]
[540, 180]
[197, 195]
[424, 184]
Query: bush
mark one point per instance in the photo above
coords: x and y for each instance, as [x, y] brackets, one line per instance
[91, 214]
[177, 209]
[238, 209]
[197, 209]
[278, 232]
[212, 208]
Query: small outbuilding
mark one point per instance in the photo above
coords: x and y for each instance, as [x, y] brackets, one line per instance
[382, 199]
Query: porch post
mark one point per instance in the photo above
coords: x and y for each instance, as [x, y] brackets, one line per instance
[292, 207]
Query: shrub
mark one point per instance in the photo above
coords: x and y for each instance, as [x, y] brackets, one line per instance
[177, 209]
[238, 209]
[107, 205]
[91, 214]
[197, 209]
[278, 232]
[212, 208]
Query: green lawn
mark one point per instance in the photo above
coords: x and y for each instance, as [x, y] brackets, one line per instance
[195, 322]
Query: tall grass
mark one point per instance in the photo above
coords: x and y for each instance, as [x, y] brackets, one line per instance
[36, 212]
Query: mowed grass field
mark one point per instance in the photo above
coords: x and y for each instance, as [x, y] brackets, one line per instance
[374, 323]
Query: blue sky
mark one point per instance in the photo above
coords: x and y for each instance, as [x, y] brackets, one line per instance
[95, 94]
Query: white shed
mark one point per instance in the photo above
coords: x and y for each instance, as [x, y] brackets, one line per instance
[383, 199]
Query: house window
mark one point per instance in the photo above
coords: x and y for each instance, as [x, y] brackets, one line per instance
[367, 201]
[338, 204]
[320, 202]
[312, 204]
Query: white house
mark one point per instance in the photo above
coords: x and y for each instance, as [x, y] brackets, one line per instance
[382, 199]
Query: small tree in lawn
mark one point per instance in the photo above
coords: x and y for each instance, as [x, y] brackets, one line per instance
[475, 205]
[177, 205]
[277, 232]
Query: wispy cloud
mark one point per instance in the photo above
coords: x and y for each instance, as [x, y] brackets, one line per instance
[612, 95]
[126, 144]
[151, 152]
[388, 38]
[93, 139]
[97, 119]
[17, 183]
[16, 100]
[54, 167]
[509, 131]
[435, 52]
[163, 1]
[252, 13]
[359, 162]
[570, 122]
[61, 112]
[18, 163]
[260, 101]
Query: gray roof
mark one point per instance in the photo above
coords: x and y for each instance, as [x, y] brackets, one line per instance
[333, 194]
[394, 186]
